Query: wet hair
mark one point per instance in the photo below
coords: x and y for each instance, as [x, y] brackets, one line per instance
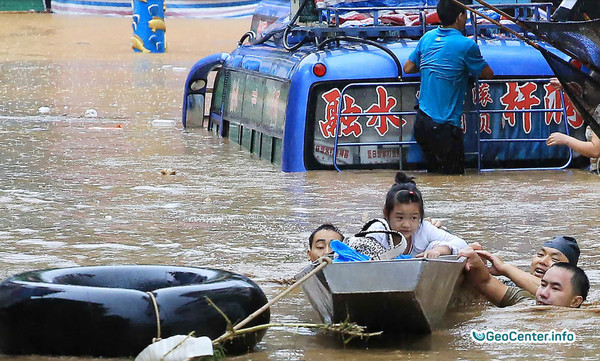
[402, 192]
[448, 11]
[326, 227]
[579, 280]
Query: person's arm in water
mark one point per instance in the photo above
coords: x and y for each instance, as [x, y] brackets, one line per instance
[524, 280]
[589, 149]
[479, 276]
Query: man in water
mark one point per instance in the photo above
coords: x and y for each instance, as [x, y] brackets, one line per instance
[558, 249]
[563, 285]
[445, 58]
[319, 240]
[562, 250]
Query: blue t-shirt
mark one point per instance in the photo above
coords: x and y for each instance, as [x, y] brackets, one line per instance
[445, 58]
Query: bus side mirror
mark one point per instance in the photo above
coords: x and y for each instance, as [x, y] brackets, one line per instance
[195, 111]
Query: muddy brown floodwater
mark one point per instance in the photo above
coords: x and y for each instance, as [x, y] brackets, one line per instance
[89, 191]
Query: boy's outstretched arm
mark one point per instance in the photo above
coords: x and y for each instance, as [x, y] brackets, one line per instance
[587, 149]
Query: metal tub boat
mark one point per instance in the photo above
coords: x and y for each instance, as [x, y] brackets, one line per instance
[394, 296]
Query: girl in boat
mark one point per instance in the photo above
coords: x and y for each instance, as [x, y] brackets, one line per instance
[402, 231]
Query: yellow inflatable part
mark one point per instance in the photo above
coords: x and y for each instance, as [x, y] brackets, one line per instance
[157, 24]
[137, 43]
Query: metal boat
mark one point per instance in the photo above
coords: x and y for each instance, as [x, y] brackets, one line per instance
[394, 296]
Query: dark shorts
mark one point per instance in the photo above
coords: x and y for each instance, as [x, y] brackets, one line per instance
[442, 145]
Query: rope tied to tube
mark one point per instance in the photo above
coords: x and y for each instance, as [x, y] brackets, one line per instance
[157, 314]
[324, 261]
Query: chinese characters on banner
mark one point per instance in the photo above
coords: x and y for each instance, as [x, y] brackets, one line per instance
[519, 97]
[515, 97]
[349, 125]
[552, 101]
[485, 98]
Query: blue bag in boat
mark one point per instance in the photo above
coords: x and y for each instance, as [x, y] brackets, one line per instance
[346, 253]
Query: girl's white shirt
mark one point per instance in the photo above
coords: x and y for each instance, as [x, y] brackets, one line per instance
[425, 238]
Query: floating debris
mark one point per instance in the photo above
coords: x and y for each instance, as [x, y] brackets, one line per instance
[177, 348]
[44, 110]
[168, 171]
[163, 123]
[91, 113]
[115, 127]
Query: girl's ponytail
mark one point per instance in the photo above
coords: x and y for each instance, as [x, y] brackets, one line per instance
[401, 177]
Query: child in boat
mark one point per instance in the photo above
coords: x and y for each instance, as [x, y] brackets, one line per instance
[402, 229]
[318, 242]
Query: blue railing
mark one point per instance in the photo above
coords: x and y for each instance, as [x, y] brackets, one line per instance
[336, 143]
[329, 23]
[562, 109]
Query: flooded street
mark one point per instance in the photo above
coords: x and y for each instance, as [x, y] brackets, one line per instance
[79, 191]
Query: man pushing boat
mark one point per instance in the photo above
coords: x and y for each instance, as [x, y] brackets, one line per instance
[554, 277]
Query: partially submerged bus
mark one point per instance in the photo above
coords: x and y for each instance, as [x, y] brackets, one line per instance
[325, 90]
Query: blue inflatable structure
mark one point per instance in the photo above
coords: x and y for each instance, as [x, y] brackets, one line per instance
[148, 26]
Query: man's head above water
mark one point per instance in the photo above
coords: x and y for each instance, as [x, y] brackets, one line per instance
[558, 249]
[567, 290]
[318, 241]
[563, 285]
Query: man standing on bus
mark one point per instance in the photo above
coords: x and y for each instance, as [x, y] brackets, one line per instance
[445, 58]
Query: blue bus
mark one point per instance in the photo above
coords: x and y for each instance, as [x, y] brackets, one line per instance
[324, 89]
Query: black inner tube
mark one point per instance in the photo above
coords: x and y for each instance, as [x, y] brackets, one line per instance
[140, 278]
[322, 44]
[107, 310]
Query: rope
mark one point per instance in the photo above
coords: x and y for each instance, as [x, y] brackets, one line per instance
[324, 262]
[153, 299]
[526, 40]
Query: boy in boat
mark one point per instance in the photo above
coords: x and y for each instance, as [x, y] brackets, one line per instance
[445, 59]
[560, 250]
[318, 241]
